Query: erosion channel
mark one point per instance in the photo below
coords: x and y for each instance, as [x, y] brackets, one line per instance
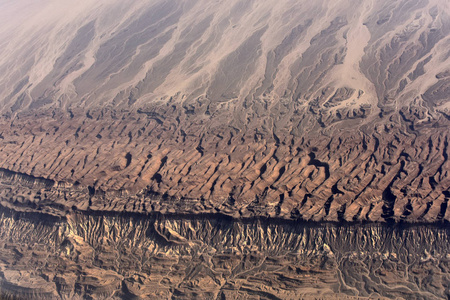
[94, 255]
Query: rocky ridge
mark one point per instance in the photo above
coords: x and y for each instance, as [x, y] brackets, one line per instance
[126, 256]
[150, 161]
[224, 150]
[244, 110]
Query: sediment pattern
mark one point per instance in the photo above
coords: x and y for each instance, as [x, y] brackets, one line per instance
[341, 56]
[124, 256]
[140, 164]
[311, 110]
[142, 143]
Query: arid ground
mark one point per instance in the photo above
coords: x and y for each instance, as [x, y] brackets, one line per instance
[173, 117]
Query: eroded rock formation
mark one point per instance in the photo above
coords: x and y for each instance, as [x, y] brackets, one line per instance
[301, 110]
[157, 161]
[125, 256]
[144, 145]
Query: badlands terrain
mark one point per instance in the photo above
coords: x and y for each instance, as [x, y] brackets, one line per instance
[101, 256]
[154, 127]
[315, 110]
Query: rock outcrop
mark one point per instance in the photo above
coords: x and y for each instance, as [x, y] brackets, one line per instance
[166, 161]
[295, 110]
[224, 149]
[125, 256]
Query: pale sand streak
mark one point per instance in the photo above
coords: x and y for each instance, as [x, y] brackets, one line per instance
[42, 31]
